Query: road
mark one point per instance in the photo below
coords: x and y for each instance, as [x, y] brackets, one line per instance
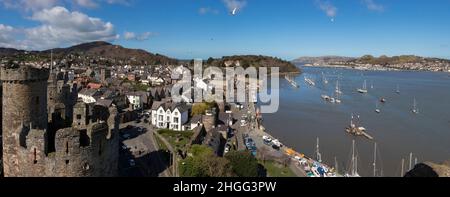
[143, 149]
[256, 133]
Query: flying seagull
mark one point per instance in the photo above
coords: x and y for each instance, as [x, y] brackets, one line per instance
[234, 11]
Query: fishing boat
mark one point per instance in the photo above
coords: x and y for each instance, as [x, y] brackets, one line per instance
[415, 110]
[363, 90]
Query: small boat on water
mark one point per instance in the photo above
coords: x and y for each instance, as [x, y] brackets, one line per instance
[310, 82]
[363, 90]
[338, 88]
[415, 110]
[353, 164]
[398, 89]
[324, 79]
[377, 109]
[383, 100]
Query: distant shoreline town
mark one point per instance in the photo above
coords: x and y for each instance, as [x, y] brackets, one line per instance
[383, 63]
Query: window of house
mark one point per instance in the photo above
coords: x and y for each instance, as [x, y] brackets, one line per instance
[79, 117]
[176, 119]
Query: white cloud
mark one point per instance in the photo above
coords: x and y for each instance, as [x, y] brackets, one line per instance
[122, 2]
[86, 3]
[59, 27]
[207, 10]
[372, 5]
[29, 5]
[138, 37]
[38, 5]
[232, 4]
[6, 35]
[327, 7]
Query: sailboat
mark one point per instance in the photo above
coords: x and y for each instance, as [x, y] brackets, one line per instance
[377, 109]
[324, 79]
[364, 89]
[398, 89]
[353, 172]
[338, 89]
[375, 161]
[318, 155]
[415, 110]
[310, 81]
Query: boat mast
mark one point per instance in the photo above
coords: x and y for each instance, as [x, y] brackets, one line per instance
[319, 156]
[375, 161]
[354, 165]
[336, 165]
[403, 168]
[410, 161]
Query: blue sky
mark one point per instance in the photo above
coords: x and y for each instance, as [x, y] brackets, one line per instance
[203, 28]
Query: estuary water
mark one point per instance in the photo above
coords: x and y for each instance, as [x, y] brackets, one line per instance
[304, 116]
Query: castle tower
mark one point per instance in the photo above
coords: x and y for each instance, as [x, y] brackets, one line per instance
[24, 103]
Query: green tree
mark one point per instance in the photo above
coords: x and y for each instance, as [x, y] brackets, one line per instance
[210, 61]
[243, 163]
[201, 108]
[203, 163]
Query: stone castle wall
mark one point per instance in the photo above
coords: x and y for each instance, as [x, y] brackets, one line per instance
[30, 149]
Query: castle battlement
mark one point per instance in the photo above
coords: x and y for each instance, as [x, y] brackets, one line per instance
[34, 148]
[23, 73]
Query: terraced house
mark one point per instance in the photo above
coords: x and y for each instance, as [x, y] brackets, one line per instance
[172, 116]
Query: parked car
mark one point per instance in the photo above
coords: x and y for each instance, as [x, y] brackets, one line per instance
[132, 162]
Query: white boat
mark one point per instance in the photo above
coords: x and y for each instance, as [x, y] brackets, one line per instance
[353, 172]
[338, 89]
[325, 81]
[310, 82]
[318, 155]
[415, 110]
[377, 109]
[364, 89]
[398, 89]
[325, 97]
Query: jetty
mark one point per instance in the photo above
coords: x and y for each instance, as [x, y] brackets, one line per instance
[356, 130]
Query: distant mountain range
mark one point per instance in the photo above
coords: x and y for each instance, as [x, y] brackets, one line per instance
[138, 56]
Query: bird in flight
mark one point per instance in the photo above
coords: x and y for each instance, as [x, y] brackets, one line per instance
[234, 11]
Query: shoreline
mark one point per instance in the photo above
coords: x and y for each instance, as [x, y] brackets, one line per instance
[373, 69]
